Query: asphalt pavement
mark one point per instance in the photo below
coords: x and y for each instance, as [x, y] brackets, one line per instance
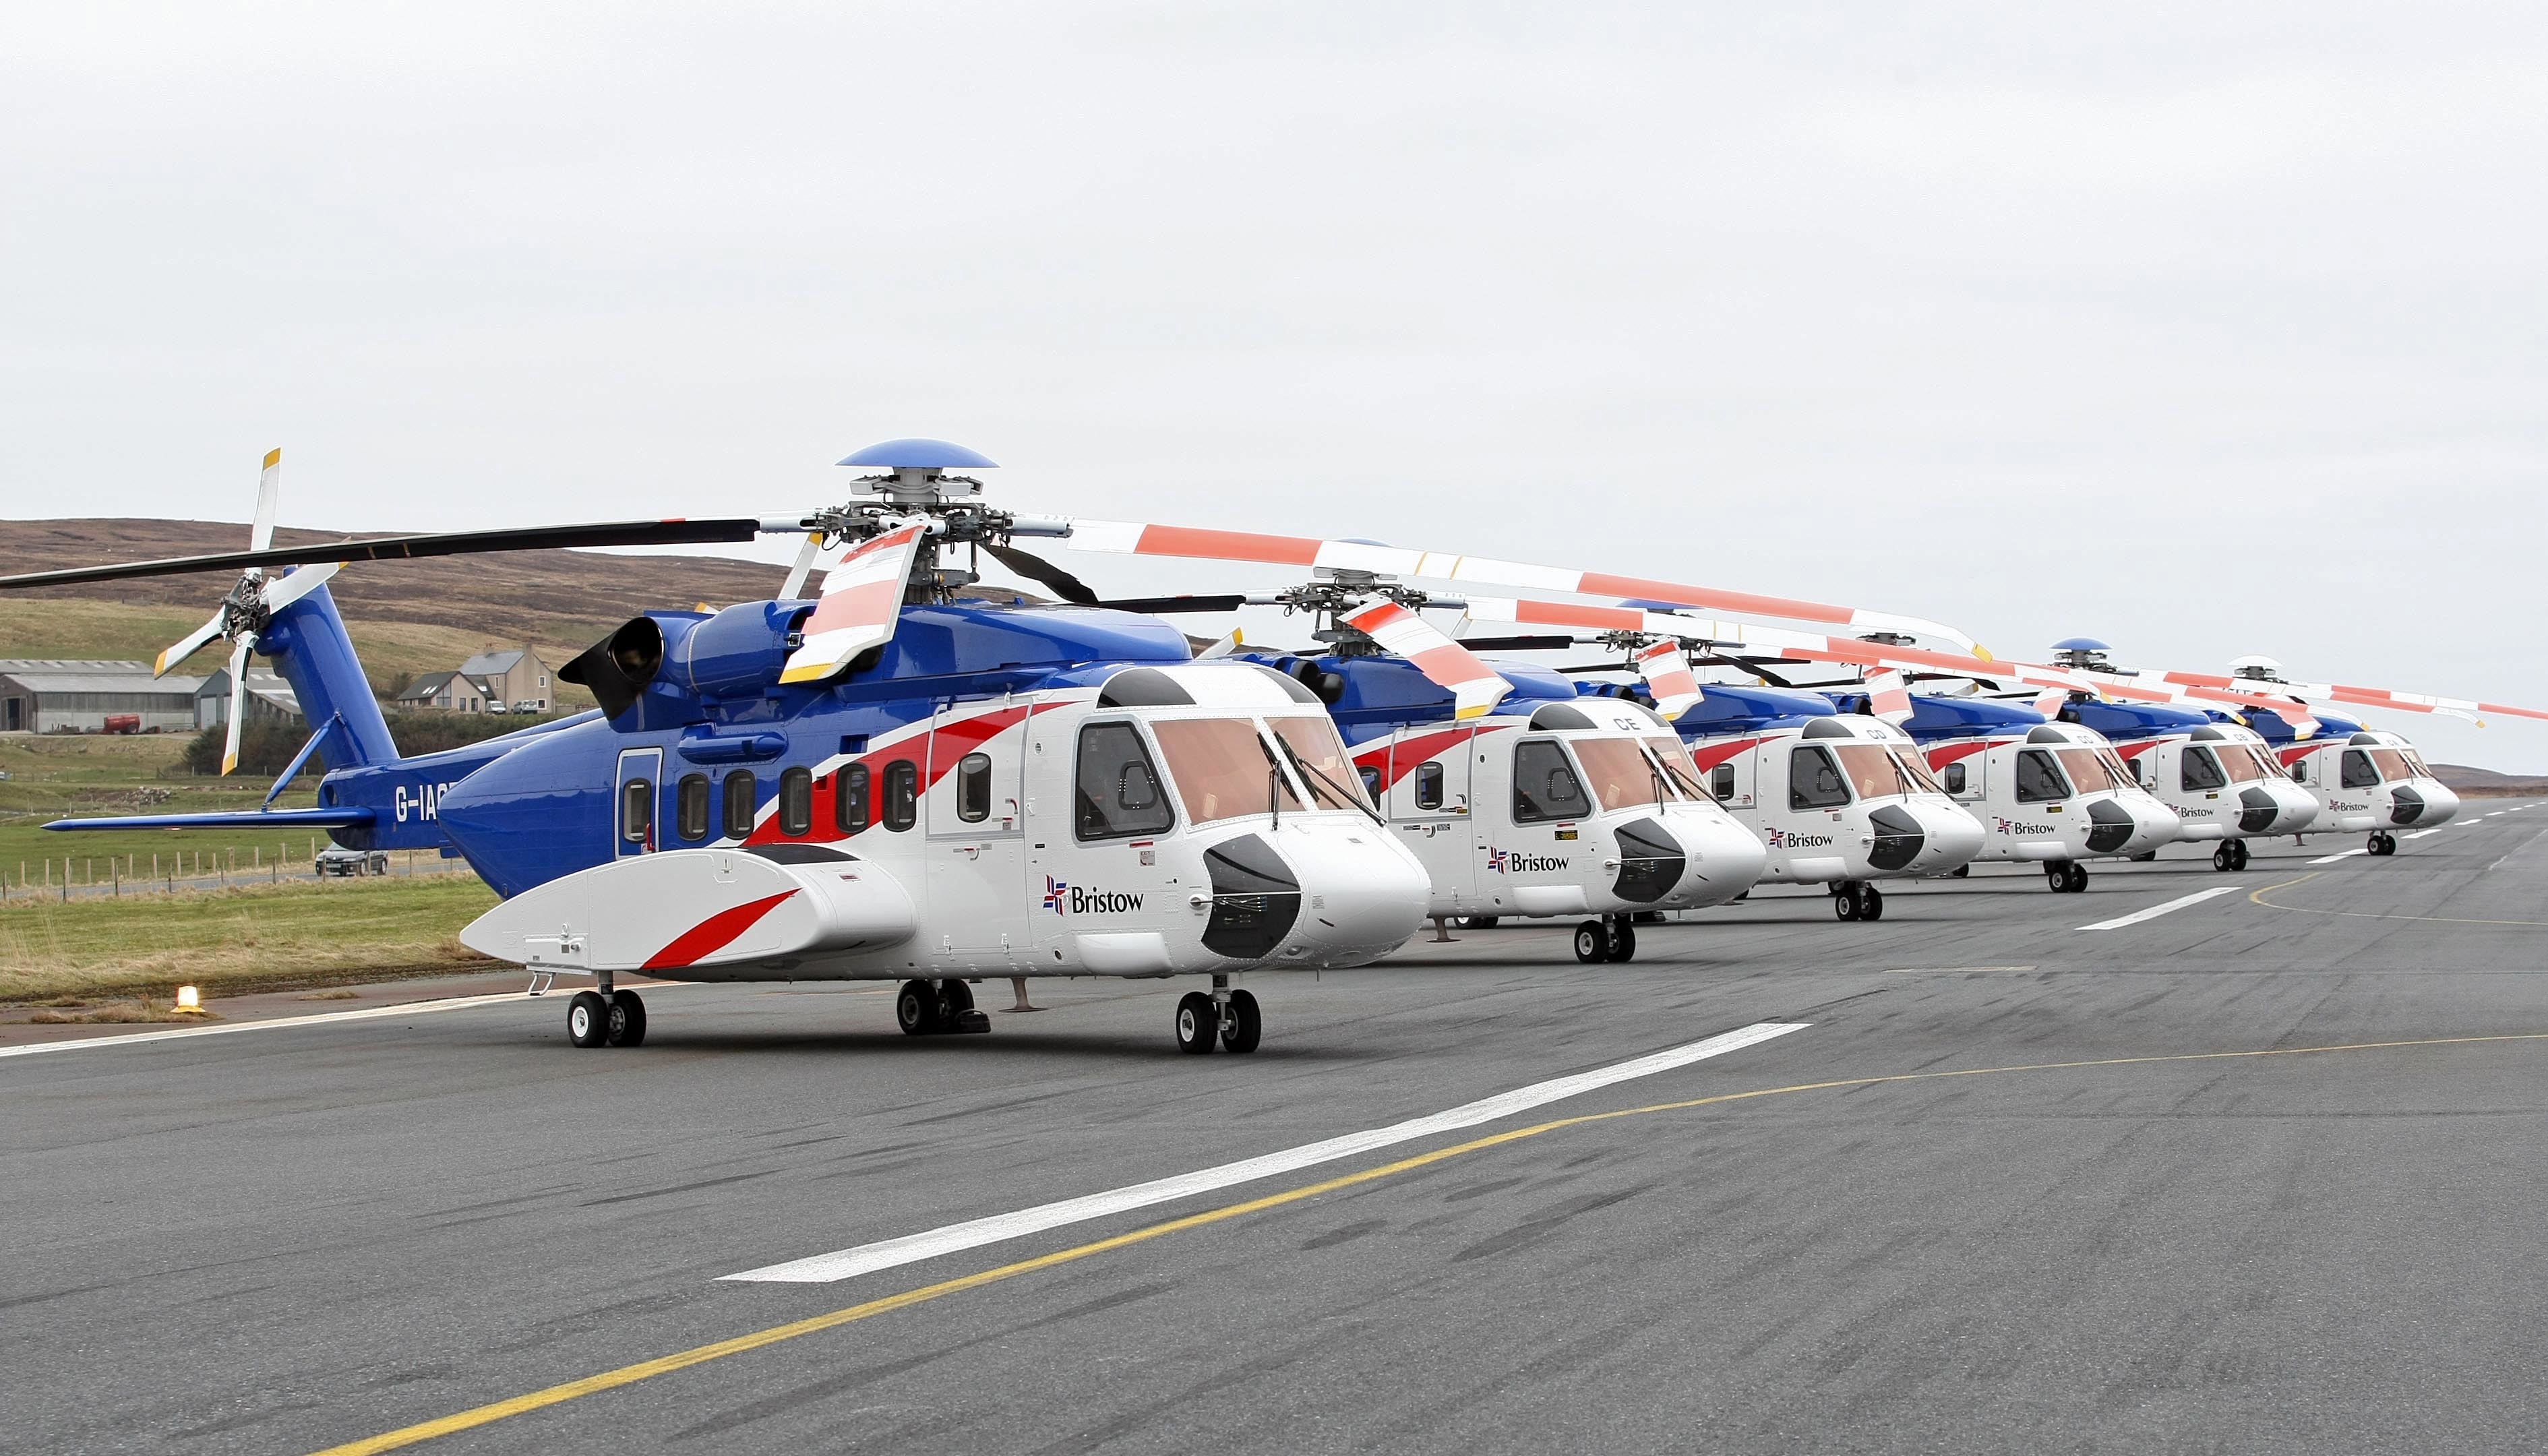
[2260, 1173]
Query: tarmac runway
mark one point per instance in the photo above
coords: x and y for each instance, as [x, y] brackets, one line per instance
[2260, 1173]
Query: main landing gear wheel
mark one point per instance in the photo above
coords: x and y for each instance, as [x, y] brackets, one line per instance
[1244, 1024]
[627, 1019]
[1198, 1022]
[2383, 843]
[1473, 922]
[1856, 900]
[1845, 901]
[1591, 943]
[2068, 877]
[2232, 855]
[588, 1019]
[915, 1009]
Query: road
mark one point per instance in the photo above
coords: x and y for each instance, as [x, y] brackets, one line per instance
[2010, 1186]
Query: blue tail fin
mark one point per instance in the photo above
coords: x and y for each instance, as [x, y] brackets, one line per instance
[308, 642]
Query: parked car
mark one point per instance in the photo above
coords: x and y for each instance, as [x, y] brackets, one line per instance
[527, 706]
[337, 859]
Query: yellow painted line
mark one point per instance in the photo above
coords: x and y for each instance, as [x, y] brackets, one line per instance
[2260, 898]
[625, 1375]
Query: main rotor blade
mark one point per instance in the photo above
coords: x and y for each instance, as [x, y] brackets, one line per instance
[673, 532]
[794, 588]
[269, 486]
[1475, 688]
[190, 644]
[1888, 696]
[238, 699]
[1157, 605]
[860, 606]
[2345, 694]
[1665, 670]
[1142, 538]
[1517, 644]
[1043, 573]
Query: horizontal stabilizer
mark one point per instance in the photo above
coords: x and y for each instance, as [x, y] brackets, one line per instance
[351, 817]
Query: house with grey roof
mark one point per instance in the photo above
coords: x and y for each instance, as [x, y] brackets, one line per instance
[79, 695]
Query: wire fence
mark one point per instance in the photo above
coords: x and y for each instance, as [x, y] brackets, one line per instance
[79, 878]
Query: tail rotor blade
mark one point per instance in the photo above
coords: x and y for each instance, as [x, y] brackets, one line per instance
[861, 605]
[188, 645]
[269, 486]
[286, 589]
[794, 587]
[238, 699]
[1475, 688]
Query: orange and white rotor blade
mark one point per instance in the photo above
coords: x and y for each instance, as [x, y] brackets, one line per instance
[861, 605]
[1475, 688]
[1888, 695]
[1144, 539]
[1665, 669]
[238, 699]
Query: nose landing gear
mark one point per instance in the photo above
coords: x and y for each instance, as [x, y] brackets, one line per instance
[2383, 843]
[1609, 940]
[2067, 876]
[2231, 855]
[1230, 1015]
[606, 1018]
[1854, 899]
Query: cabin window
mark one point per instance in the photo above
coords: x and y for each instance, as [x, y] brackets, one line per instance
[2358, 773]
[1371, 781]
[637, 810]
[796, 802]
[1429, 786]
[1544, 784]
[741, 798]
[1813, 780]
[690, 806]
[2038, 778]
[901, 794]
[1954, 777]
[850, 799]
[974, 788]
[2195, 768]
[2300, 771]
[1720, 783]
[1116, 791]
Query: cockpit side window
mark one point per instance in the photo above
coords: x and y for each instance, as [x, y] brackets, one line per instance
[2358, 773]
[1544, 784]
[2038, 778]
[1813, 780]
[1118, 792]
[2195, 768]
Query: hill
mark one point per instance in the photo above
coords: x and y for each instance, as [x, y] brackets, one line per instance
[2485, 783]
[405, 617]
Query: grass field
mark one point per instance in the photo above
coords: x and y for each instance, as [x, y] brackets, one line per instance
[232, 941]
[53, 775]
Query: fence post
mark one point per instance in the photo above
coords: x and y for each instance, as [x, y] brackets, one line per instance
[116, 868]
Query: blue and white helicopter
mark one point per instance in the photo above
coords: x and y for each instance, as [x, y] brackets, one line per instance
[884, 782]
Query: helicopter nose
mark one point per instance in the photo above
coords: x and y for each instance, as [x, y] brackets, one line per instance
[1724, 856]
[2299, 808]
[2440, 804]
[2153, 824]
[1362, 894]
[1952, 836]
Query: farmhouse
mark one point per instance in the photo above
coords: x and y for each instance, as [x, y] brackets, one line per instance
[493, 682]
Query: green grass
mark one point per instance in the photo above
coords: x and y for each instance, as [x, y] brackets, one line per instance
[86, 775]
[232, 941]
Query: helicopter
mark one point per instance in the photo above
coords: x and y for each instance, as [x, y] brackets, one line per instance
[882, 782]
[2208, 767]
[2364, 781]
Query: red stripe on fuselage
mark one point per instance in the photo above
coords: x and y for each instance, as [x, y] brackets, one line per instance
[971, 733]
[1947, 752]
[1709, 755]
[1397, 760]
[714, 934]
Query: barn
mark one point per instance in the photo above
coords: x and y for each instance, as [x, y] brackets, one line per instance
[79, 695]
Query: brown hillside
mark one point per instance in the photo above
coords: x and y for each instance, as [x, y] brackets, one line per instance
[511, 597]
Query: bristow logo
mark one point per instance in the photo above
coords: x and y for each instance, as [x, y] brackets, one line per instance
[1061, 897]
[1515, 862]
[2341, 807]
[1787, 838]
[2016, 826]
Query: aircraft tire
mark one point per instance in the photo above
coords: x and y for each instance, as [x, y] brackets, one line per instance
[915, 1008]
[587, 1019]
[1845, 902]
[627, 1019]
[1198, 1023]
[2237, 854]
[2058, 877]
[2220, 855]
[955, 998]
[1622, 941]
[1871, 903]
[1245, 1026]
[1591, 943]
[2078, 879]
[1962, 871]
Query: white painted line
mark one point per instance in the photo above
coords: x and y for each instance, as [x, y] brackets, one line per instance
[2421, 834]
[223, 1028]
[1953, 969]
[911, 1248]
[2349, 854]
[2155, 911]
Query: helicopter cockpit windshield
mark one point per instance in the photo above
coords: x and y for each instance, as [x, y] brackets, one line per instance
[1875, 772]
[1620, 775]
[1224, 768]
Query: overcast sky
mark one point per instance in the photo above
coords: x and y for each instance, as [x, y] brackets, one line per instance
[2205, 329]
